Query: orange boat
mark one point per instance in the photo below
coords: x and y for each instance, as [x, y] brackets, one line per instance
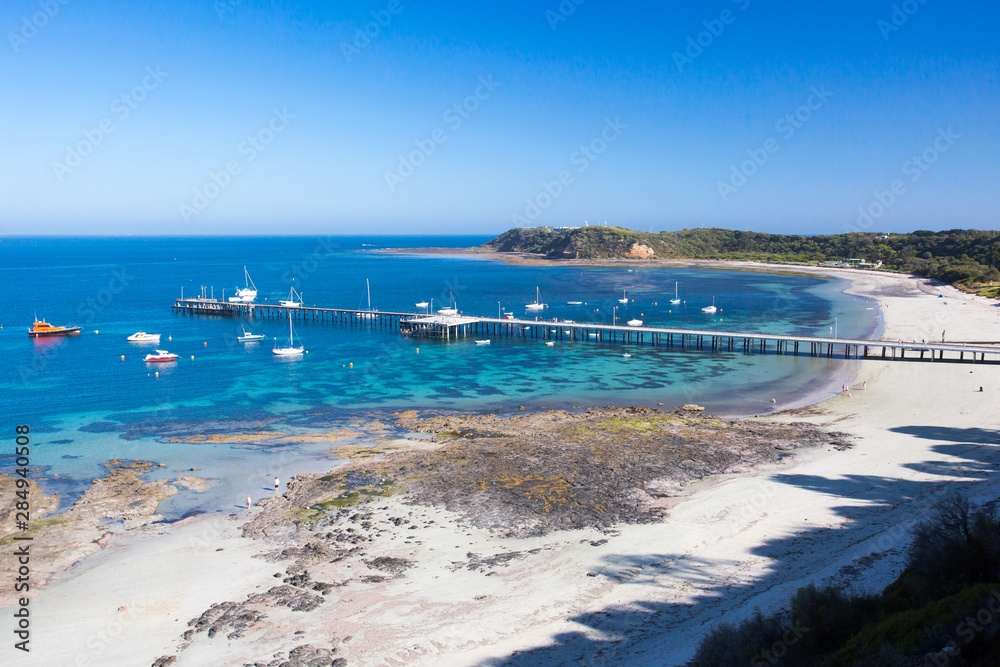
[45, 329]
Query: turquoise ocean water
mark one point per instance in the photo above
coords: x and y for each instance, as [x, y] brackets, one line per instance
[86, 406]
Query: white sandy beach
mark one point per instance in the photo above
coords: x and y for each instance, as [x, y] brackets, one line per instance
[643, 596]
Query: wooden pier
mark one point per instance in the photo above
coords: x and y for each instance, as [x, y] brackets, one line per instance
[454, 327]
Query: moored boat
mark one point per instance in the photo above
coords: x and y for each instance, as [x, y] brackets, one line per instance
[537, 305]
[42, 329]
[635, 323]
[247, 293]
[143, 337]
[294, 300]
[160, 355]
[248, 337]
[291, 349]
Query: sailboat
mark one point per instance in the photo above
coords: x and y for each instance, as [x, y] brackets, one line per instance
[537, 305]
[246, 294]
[291, 349]
[452, 309]
[710, 309]
[368, 314]
[248, 337]
[624, 298]
[676, 298]
[291, 302]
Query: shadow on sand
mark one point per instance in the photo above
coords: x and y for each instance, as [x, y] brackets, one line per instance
[661, 632]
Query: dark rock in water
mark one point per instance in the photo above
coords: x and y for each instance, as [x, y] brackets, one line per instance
[100, 427]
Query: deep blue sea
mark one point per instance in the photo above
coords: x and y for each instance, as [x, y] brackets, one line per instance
[86, 405]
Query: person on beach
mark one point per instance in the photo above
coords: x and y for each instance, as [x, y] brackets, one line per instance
[276, 484]
[864, 385]
[248, 502]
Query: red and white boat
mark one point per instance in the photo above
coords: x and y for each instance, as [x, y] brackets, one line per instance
[160, 355]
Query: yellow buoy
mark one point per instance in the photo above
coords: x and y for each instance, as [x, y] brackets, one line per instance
[157, 373]
[352, 364]
[418, 350]
[123, 357]
[206, 343]
[96, 331]
[192, 357]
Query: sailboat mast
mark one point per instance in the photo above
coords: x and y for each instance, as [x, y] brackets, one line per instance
[368, 289]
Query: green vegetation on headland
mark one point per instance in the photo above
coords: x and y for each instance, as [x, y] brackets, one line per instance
[966, 257]
[944, 609]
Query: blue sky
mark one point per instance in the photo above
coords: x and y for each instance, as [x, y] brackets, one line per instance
[267, 116]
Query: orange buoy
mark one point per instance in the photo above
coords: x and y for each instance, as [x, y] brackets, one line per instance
[206, 343]
[123, 357]
[157, 373]
[352, 364]
[192, 357]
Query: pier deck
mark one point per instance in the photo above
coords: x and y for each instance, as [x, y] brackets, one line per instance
[449, 327]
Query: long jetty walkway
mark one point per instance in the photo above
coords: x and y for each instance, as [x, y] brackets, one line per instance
[453, 327]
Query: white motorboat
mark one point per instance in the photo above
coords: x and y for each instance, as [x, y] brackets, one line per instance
[574, 303]
[483, 342]
[422, 304]
[537, 305]
[143, 337]
[294, 300]
[549, 343]
[248, 293]
[676, 298]
[627, 355]
[248, 337]
[624, 298]
[160, 355]
[635, 323]
[710, 309]
[291, 349]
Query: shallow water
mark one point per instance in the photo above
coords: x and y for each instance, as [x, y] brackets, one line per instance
[86, 405]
